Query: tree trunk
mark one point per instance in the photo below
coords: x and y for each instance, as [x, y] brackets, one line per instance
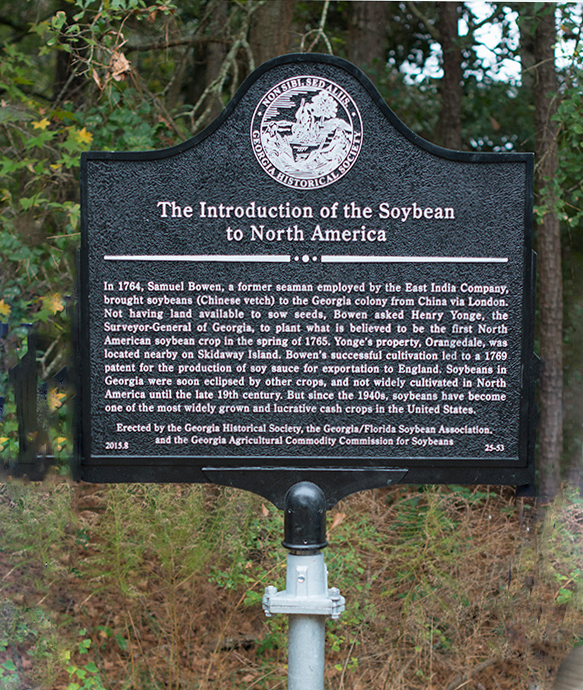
[207, 57]
[550, 285]
[450, 117]
[527, 58]
[216, 51]
[367, 36]
[270, 31]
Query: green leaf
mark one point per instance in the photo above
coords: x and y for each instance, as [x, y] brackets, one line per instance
[59, 20]
[564, 596]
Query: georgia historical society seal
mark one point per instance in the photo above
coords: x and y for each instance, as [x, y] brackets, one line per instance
[306, 132]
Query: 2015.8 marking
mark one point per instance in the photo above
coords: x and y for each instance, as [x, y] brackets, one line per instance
[116, 445]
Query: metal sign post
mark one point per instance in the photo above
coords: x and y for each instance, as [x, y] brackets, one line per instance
[306, 599]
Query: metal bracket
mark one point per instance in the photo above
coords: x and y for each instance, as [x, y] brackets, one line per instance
[331, 605]
[274, 482]
[306, 592]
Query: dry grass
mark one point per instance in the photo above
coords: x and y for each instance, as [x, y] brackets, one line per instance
[160, 587]
[465, 596]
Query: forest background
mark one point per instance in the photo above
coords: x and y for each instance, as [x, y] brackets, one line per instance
[151, 587]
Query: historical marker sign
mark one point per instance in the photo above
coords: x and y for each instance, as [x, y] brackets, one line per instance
[306, 289]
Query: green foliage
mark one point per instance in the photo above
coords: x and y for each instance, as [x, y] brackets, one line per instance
[425, 574]
[41, 141]
[570, 119]
[39, 153]
[563, 549]
[87, 676]
[25, 634]
[254, 555]
[35, 521]
[173, 522]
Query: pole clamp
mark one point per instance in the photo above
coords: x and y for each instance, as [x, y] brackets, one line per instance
[330, 604]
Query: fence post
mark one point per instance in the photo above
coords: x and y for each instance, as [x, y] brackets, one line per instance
[23, 378]
[31, 414]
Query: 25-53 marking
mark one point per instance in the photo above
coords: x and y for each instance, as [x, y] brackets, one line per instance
[494, 447]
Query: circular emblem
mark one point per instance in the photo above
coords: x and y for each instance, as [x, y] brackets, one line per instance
[306, 132]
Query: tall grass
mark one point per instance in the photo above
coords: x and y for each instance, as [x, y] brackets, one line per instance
[144, 587]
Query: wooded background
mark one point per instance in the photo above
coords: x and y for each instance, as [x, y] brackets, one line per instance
[147, 587]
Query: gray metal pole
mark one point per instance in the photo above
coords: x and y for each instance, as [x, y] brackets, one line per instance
[308, 601]
[306, 598]
[305, 670]
[306, 577]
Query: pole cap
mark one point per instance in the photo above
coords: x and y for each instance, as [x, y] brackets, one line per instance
[305, 518]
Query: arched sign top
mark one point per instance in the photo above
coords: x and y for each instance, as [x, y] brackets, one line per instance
[347, 75]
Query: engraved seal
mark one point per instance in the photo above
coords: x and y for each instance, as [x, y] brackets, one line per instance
[306, 132]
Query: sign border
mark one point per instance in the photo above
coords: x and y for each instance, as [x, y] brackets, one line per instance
[418, 470]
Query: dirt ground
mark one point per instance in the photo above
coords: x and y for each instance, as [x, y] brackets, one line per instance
[150, 587]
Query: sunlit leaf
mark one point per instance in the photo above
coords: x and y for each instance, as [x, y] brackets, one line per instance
[55, 399]
[41, 124]
[53, 303]
[84, 136]
[4, 309]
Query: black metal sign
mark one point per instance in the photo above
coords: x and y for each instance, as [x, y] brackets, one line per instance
[306, 290]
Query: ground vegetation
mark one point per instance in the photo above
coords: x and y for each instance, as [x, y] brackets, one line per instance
[147, 587]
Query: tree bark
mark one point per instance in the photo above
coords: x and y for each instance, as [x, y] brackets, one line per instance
[270, 31]
[367, 36]
[450, 117]
[550, 285]
[216, 51]
[208, 56]
[527, 58]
